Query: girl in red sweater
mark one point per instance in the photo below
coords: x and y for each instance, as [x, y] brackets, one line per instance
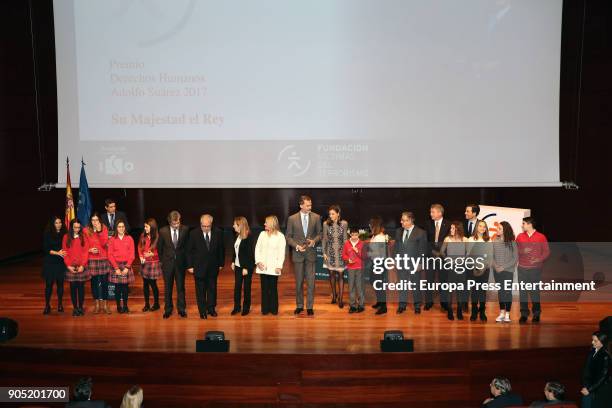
[98, 266]
[121, 257]
[76, 247]
[149, 259]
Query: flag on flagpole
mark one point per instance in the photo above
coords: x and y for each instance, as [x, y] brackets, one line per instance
[84, 207]
[69, 216]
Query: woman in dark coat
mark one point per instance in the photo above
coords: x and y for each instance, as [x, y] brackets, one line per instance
[53, 264]
[596, 382]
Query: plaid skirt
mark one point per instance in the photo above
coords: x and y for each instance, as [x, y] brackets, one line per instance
[151, 270]
[129, 278]
[77, 277]
[96, 267]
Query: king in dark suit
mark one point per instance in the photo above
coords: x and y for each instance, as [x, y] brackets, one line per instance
[206, 257]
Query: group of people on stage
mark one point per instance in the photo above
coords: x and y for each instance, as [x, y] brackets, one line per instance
[102, 251]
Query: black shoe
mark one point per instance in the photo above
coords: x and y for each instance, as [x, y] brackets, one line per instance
[376, 305]
[444, 307]
[146, 308]
[202, 315]
[167, 315]
[535, 319]
[310, 312]
[235, 312]
[183, 313]
[523, 320]
[483, 316]
[333, 301]
[474, 314]
[401, 308]
[298, 310]
[341, 304]
[60, 308]
[75, 312]
[81, 311]
[450, 316]
[245, 312]
[126, 310]
[47, 310]
[381, 310]
[428, 305]
[275, 313]
[460, 313]
[417, 310]
[265, 313]
[360, 309]
[212, 312]
[352, 309]
[155, 307]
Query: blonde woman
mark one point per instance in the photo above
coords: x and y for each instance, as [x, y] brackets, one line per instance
[243, 265]
[269, 259]
[133, 398]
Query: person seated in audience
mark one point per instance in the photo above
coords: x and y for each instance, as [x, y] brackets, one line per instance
[502, 395]
[82, 396]
[555, 395]
[133, 398]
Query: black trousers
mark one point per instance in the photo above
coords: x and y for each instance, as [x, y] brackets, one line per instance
[531, 275]
[477, 294]
[77, 294]
[405, 275]
[121, 292]
[150, 283]
[49, 289]
[430, 276]
[206, 291]
[505, 296]
[241, 281]
[460, 294]
[381, 294]
[269, 293]
[170, 276]
[99, 287]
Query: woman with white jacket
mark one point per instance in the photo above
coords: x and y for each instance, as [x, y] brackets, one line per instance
[269, 258]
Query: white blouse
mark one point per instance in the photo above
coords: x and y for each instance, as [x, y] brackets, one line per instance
[270, 251]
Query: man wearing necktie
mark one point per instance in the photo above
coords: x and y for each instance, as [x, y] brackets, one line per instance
[113, 215]
[206, 257]
[411, 241]
[172, 246]
[437, 229]
[303, 233]
[471, 219]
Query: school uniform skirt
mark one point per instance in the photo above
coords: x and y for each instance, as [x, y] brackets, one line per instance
[151, 270]
[96, 267]
[77, 276]
[129, 278]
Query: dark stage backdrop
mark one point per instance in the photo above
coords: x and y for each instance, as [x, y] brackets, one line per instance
[28, 153]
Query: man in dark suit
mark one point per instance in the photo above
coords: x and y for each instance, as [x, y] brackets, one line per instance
[410, 241]
[437, 229]
[112, 215]
[471, 219]
[303, 233]
[172, 248]
[206, 257]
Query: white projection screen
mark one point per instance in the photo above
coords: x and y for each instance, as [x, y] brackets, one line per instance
[317, 93]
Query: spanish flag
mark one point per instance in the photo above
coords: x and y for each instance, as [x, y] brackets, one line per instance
[69, 201]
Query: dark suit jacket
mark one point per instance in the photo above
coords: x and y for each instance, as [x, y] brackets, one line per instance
[596, 371]
[119, 215]
[508, 399]
[295, 235]
[170, 256]
[416, 245]
[431, 234]
[202, 259]
[465, 227]
[246, 252]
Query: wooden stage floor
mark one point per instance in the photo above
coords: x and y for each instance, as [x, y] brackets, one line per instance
[331, 330]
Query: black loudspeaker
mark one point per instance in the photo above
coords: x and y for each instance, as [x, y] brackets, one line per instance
[214, 342]
[394, 342]
[606, 326]
[8, 329]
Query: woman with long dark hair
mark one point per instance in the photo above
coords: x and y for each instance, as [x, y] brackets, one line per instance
[149, 259]
[76, 247]
[378, 247]
[335, 234]
[596, 377]
[53, 265]
[481, 251]
[505, 258]
[98, 267]
[121, 257]
[455, 247]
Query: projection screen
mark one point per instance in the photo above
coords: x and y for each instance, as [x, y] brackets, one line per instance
[318, 93]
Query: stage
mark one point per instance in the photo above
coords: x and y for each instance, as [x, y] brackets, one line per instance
[287, 360]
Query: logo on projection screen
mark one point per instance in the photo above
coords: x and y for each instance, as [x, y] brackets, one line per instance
[296, 166]
[114, 165]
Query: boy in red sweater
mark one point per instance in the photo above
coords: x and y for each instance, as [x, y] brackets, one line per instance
[352, 255]
[532, 252]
